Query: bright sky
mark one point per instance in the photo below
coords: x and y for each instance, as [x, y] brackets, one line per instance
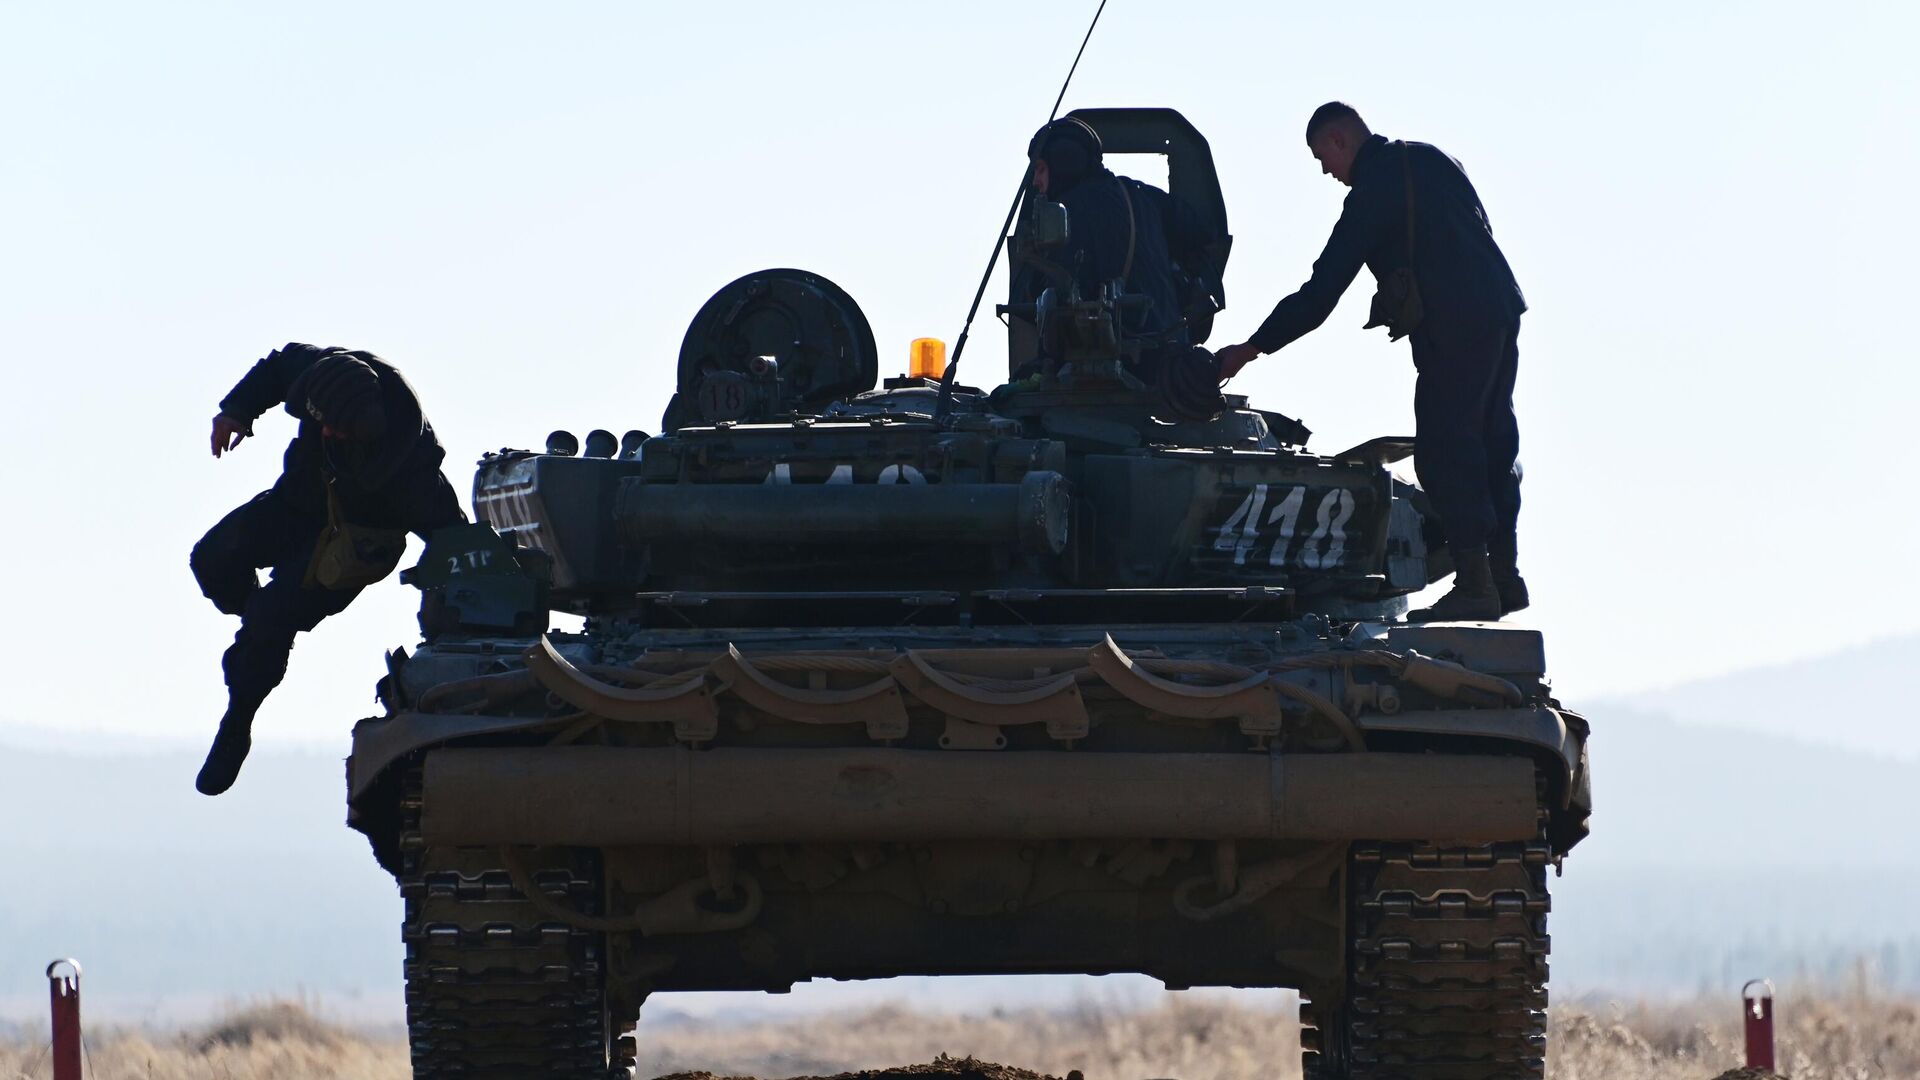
[1710, 208]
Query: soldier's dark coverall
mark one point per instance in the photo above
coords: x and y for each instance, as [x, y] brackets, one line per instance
[1165, 234]
[394, 483]
[1467, 443]
[1104, 214]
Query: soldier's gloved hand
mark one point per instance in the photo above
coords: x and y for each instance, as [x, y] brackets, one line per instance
[227, 433]
[1234, 357]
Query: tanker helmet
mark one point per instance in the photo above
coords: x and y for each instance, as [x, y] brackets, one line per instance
[1071, 149]
[343, 393]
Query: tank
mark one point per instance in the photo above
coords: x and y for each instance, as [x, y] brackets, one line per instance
[875, 677]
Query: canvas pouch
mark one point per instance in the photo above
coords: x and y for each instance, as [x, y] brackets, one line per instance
[1396, 301]
[350, 556]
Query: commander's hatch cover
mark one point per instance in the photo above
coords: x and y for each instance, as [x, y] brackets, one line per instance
[818, 341]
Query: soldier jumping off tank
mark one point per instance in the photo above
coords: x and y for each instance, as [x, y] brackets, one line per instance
[362, 472]
[1414, 219]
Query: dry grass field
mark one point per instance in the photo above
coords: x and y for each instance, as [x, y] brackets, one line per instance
[1842, 1037]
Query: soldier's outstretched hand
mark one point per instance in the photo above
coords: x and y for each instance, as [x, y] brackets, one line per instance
[227, 433]
[1234, 357]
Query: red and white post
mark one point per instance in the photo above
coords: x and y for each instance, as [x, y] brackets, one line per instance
[1756, 1005]
[63, 978]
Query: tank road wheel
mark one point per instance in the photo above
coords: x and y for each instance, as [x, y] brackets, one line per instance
[496, 990]
[1446, 967]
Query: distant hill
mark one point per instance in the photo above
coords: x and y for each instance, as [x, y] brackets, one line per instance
[1853, 698]
[175, 901]
[1718, 852]
[1670, 793]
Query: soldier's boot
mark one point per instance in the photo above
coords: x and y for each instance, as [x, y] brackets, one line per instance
[1513, 592]
[1473, 597]
[254, 664]
[230, 747]
[1504, 558]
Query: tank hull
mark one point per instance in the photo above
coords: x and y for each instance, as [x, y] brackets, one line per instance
[1210, 805]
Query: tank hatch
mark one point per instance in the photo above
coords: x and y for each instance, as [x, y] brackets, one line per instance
[770, 344]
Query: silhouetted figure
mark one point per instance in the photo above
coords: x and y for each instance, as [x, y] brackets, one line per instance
[1414, 219]
[361, 473]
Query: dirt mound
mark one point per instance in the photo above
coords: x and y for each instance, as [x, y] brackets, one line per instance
[273, 1021]
[1750, 1074]
[950, 1068]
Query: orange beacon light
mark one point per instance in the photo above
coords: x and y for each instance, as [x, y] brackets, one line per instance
[926, 358]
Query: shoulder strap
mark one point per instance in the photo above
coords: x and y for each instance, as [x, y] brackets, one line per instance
[1406, 170]
[1126, 267]
[335, 519]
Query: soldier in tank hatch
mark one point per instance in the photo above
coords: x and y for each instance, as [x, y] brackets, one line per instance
[1414, 219]
[362, 472]
[1118, 228]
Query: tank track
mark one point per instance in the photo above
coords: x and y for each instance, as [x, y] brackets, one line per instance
[1446, 967]
[495, 989]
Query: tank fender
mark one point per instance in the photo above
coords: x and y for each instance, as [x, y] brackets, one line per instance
[1539, 728]
[380, 742]
[1556, 738]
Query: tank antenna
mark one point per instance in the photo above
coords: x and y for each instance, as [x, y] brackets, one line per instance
[1000, 239]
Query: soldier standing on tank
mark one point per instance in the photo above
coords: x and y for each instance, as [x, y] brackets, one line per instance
[363, 470]
[1415, 220]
